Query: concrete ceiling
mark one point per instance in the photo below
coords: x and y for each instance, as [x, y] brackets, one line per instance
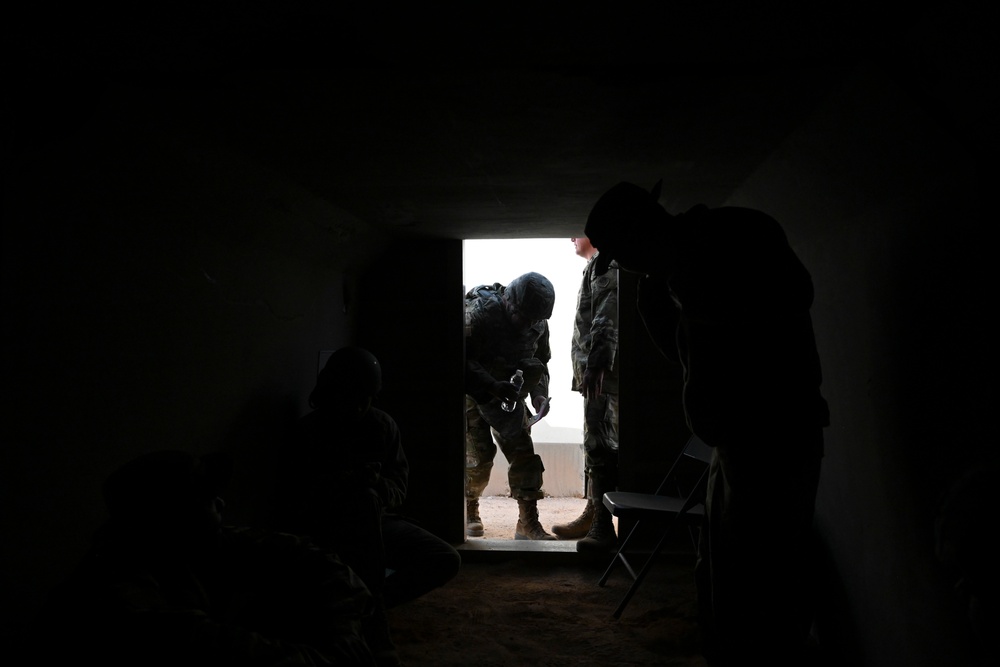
[503, 153]
[508, 126]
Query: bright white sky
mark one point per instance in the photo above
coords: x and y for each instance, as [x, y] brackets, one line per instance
[500, 261]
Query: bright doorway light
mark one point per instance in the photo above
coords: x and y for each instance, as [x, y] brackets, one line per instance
[500, 261]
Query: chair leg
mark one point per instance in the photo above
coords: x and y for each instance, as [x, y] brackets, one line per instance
[607, 572]
[643, 571]
[619, 555]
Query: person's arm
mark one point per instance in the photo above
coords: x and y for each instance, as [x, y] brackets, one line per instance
[483, 387]
[479, 382]
[603, 332]
[543, 353]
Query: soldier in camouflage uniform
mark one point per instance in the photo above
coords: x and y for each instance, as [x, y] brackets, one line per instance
[508, 330]
[595, 375]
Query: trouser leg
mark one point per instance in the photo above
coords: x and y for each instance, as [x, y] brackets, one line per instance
[600, 443]
[600, 448]
[755, 577]
[355, 533]
[480, 451]
[417, 561]
[600, 538]
[601, 456]
[525, 478]
[524, 473]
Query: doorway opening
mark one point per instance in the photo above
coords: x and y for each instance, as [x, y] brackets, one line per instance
[558, 438]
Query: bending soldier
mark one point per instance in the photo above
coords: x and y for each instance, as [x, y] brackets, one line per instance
[722, 293]
[508, 331]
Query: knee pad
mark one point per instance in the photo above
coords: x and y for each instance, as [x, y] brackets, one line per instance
[477, 479]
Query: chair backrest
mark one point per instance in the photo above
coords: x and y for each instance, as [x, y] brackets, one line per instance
[694, 449]
[697, 449]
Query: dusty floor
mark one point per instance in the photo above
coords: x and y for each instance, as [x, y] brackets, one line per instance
[522, 610]
[499, 514]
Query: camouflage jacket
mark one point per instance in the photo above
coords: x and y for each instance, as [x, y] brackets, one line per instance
[495, 349]
[595, 329]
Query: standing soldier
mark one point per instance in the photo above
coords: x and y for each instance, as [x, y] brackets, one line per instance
[595, 375]
[722, 292]
[508, 331]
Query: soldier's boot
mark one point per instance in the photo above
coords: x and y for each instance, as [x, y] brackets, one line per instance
[601, 538]
[473, 524]
[579, 526]
[528, 527]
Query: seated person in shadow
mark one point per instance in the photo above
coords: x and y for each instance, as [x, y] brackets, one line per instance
[165, 583]
[342, 481]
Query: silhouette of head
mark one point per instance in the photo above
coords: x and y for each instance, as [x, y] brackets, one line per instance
[530, 298]
[622, 223]
[350, 379]
[171, 495]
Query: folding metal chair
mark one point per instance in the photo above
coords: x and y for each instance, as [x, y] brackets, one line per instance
[671, 505]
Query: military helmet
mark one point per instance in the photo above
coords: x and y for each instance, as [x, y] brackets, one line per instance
[351, 369]
[533, 295]
[617, 214]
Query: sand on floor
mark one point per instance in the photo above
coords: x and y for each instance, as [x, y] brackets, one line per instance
[499, 514]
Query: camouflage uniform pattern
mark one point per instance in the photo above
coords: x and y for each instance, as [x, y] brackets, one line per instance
[595, 345]
[494, 351]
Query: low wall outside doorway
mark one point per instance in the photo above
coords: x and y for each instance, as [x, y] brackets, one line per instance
[563, 476]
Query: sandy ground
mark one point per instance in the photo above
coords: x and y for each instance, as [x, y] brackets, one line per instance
[499, 514]
[523, 612]
[518, 611]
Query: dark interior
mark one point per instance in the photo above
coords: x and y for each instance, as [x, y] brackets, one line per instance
[198, 203]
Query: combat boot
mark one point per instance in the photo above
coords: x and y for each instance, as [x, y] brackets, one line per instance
[528, 527]
[601, 538]
[579, 526]
[473, 524]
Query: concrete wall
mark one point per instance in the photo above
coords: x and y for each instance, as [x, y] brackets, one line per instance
[160, 291]
[884, 205]
[563, 476]
[411, 315]
[882, 192]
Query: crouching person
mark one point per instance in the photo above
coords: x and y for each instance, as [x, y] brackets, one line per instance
[165, 583]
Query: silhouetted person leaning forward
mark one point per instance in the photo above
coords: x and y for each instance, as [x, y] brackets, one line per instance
[722, 293]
